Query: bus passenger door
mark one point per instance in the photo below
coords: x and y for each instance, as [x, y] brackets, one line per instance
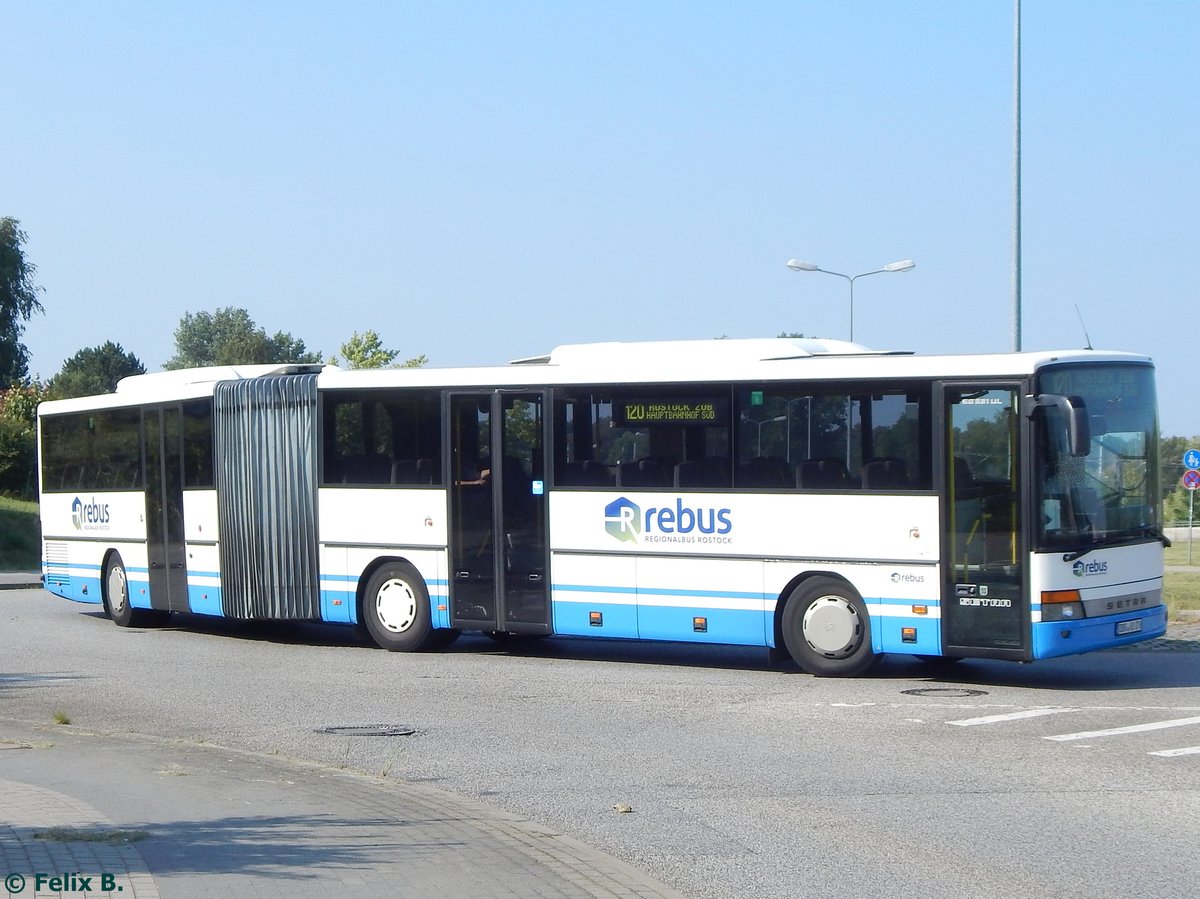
[498, 551]
[164, 510]
[983, 607]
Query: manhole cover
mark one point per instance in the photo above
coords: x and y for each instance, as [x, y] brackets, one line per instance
[368, 730]
[944, 692]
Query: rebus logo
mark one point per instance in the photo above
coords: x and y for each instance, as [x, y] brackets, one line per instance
[1085, 569]
[88, 515]
[623, 519]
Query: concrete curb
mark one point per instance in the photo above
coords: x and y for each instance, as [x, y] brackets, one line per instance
[186, 820]
[20, 580]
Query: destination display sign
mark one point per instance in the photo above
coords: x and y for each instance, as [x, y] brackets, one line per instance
[668, 411]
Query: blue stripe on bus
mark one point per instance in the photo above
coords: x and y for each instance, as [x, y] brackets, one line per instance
[77, 582]
[205, 600]
[887, 633]
[744, 627]
[347, 611]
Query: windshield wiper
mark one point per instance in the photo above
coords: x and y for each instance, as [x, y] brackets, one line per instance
[1132, 532]
[1157, 535]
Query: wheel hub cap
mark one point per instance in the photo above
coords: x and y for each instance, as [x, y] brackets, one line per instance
[396, 606]
[832, 626]
[116, 589]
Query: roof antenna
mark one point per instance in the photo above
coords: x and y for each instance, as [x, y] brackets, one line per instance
[1082, 325]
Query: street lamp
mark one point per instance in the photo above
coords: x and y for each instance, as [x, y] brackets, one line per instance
[759, 425]
[904, 265]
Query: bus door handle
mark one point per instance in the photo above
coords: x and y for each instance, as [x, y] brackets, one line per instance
[534, 578]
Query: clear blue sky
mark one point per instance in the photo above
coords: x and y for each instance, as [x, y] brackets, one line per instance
[483, 181]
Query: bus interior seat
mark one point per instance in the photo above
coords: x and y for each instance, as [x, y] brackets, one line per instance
[367, 468]
[766, 471]
[647, 472]
[585, 473]
[1088, 509]
[711, 472]
[887, 473]
[413, 471]
[826, 472]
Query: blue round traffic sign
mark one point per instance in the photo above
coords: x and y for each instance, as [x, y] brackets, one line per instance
[1191, 459]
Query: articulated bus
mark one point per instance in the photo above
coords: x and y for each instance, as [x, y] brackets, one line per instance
[827, 502]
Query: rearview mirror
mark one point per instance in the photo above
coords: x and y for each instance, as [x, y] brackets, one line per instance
[1075, 415]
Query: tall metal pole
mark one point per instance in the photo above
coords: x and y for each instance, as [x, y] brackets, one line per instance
[851, 280]
[1191, 519]
[1016, 264]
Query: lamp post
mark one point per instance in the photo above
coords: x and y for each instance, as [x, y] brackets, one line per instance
[799, 265]
[759, 425]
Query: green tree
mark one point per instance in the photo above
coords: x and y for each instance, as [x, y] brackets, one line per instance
[230, 337]
[18, 302]
[18, 439]
[366, 350]
[95, 370]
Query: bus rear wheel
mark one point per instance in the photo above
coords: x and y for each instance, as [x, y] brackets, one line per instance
[395, 609]
[827, 629]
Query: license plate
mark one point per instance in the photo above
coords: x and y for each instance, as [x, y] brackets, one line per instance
[1129, 627]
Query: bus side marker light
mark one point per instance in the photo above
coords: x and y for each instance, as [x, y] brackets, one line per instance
[920, 610]
[442, 607]
[700, 625]
[908, 635]
[337, 602]
[1058, 596]
[596, 619]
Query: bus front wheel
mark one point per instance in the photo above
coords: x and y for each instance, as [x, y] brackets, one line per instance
[827, 629]
[116, 593]
[395, 608]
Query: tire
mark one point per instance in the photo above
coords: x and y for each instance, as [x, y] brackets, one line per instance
[827, 629]
[395, 609]
[116, 594]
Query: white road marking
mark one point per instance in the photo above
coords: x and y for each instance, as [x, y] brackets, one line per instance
[1120, 731]
[1009, 716]
[1170, 753]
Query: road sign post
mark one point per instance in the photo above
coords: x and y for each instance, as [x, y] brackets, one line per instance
[1191, 480]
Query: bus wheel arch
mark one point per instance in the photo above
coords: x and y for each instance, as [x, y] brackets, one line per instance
[825, 625]
[393, 606]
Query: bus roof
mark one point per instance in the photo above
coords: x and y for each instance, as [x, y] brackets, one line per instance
[666, 362]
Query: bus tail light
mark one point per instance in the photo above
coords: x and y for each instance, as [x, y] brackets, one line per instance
[1061, 605]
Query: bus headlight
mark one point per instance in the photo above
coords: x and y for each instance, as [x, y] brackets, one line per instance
[1061, 605]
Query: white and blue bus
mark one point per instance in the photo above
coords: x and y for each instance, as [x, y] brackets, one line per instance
[825, 501]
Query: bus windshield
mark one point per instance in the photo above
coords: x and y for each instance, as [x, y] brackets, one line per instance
[1110, 494]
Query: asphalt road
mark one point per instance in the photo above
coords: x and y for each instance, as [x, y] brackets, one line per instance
[744, 780]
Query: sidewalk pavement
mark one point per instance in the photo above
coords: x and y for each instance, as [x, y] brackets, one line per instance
[20, 580]
[144, 817]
